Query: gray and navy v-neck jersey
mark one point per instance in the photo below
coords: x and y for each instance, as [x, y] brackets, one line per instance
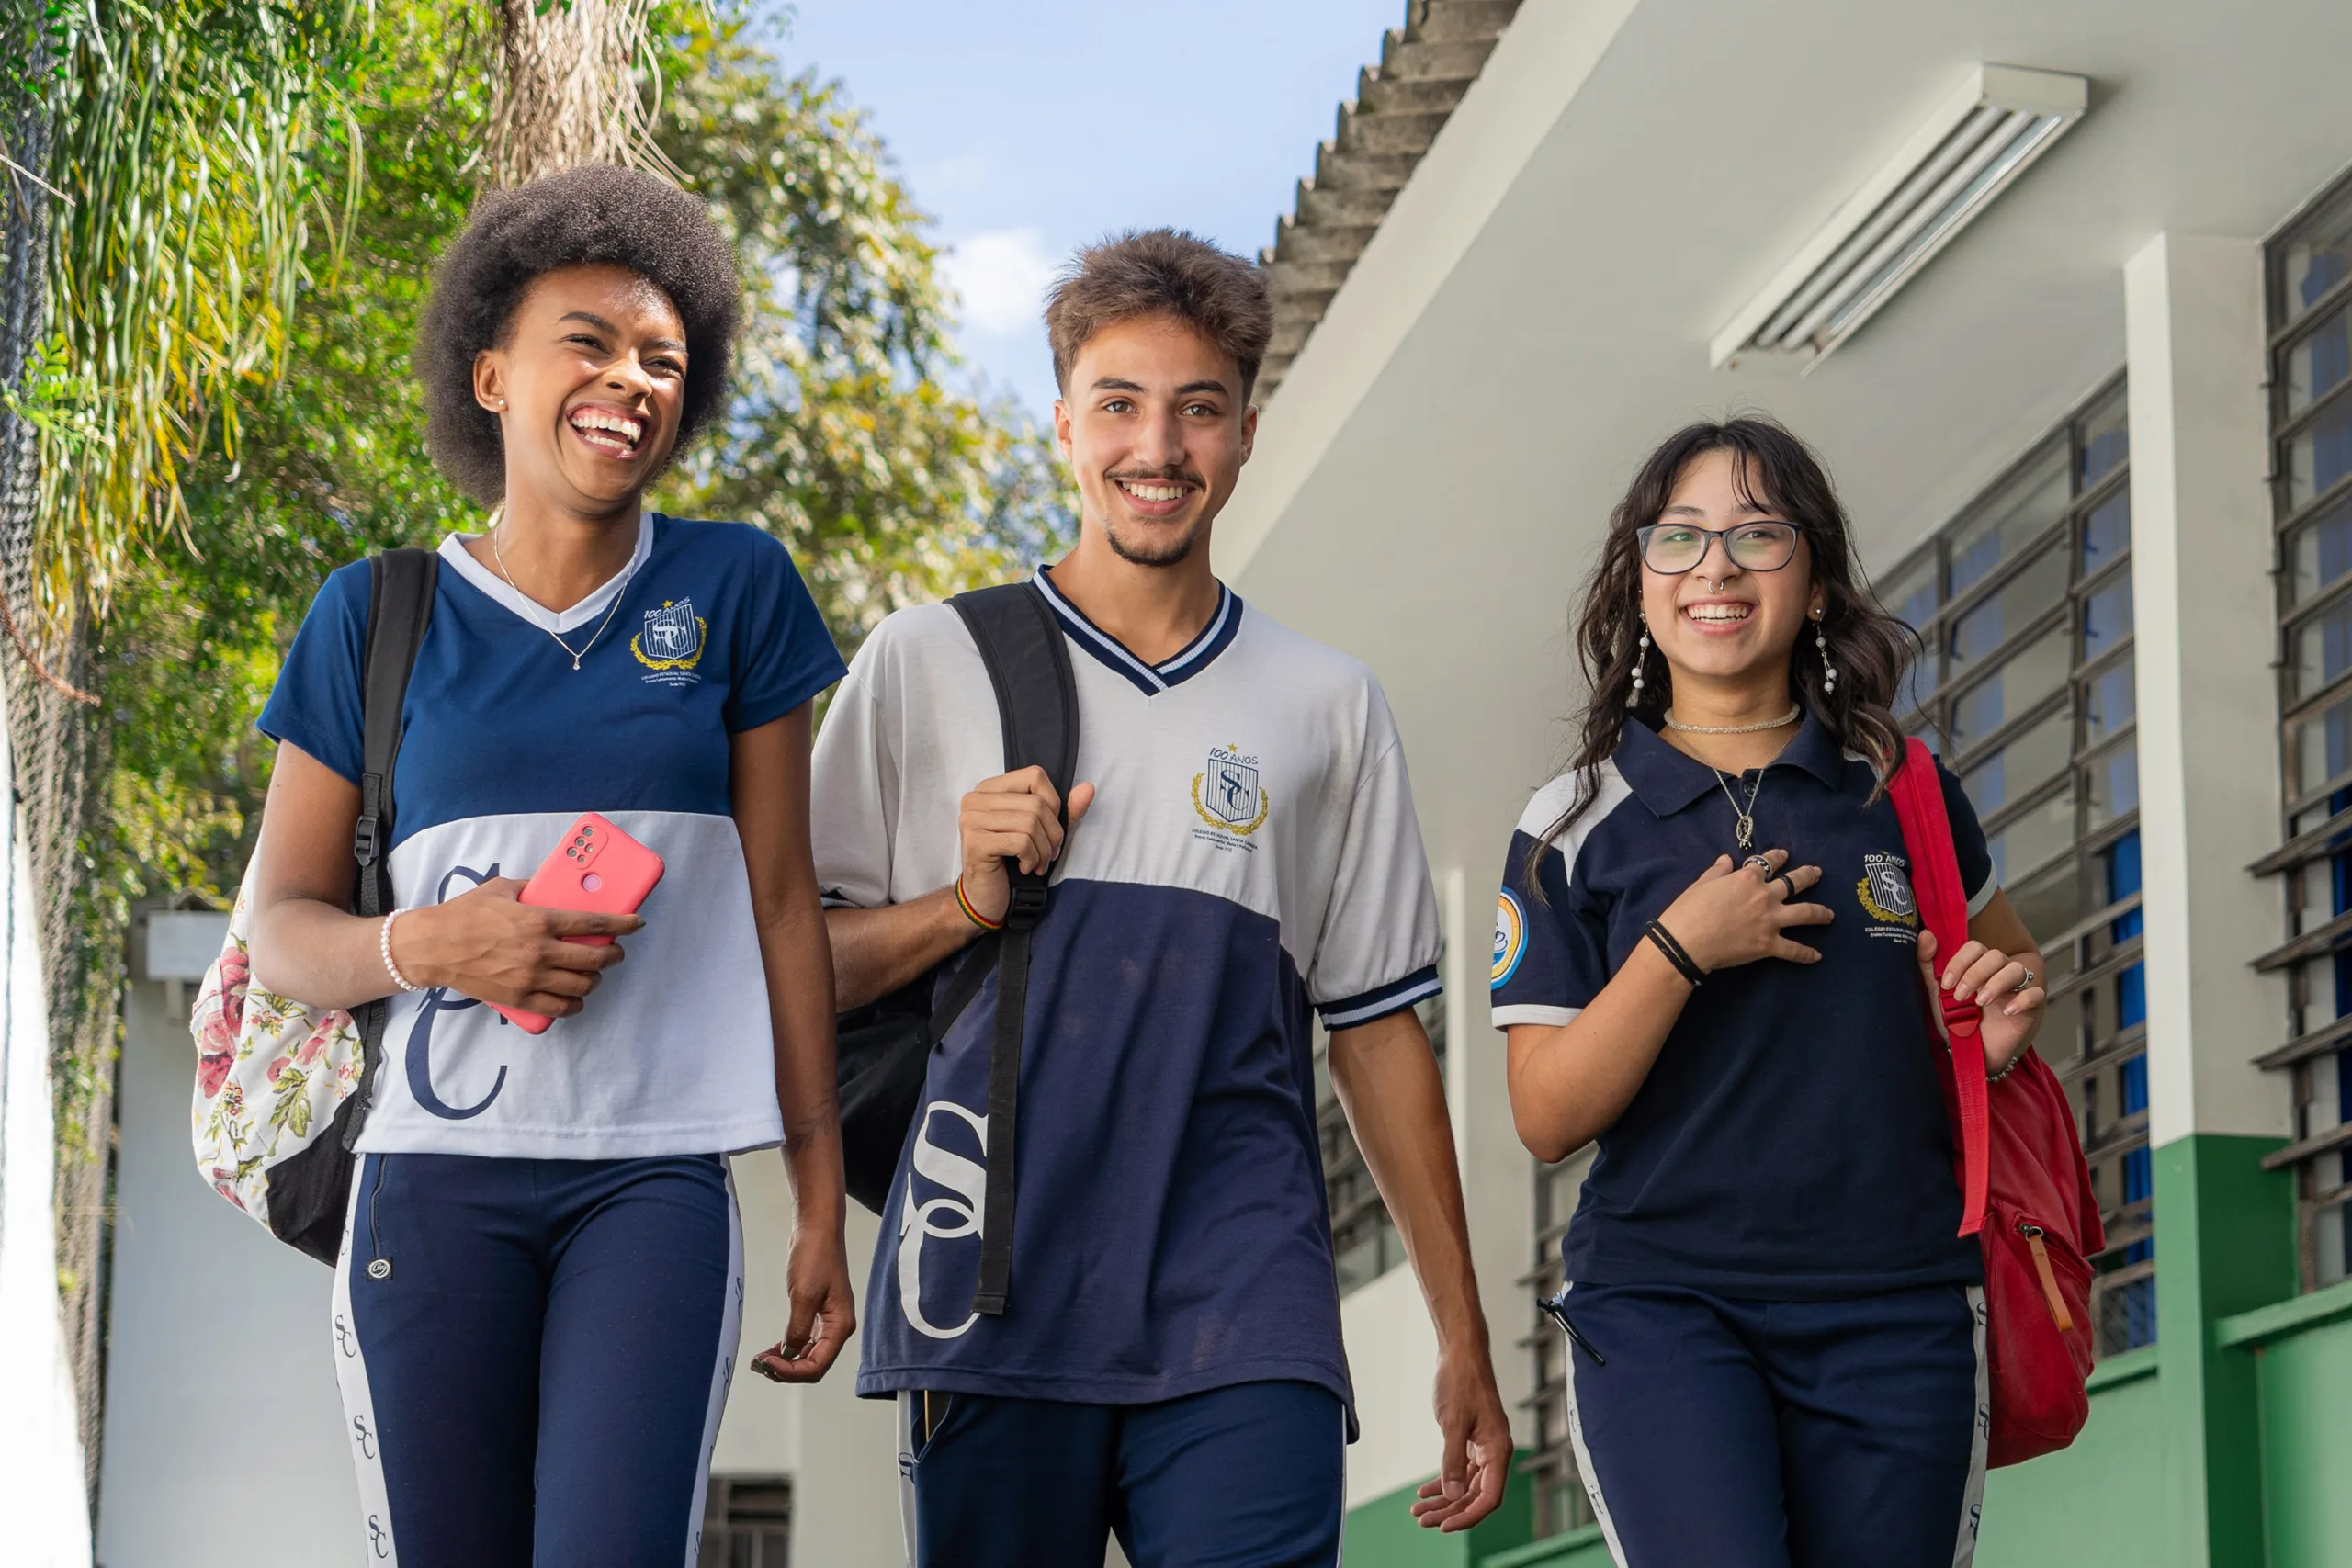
[708, 631]
[1791, 1140]
[1251, 855]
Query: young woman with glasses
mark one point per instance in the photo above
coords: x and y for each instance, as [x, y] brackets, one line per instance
[1709, 959]
[541, 1281]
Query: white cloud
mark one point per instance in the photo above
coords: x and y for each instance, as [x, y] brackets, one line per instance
[1000, 278]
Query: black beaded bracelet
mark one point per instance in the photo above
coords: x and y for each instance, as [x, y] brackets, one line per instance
[1664, 942]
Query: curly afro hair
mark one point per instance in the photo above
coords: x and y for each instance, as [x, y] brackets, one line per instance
[595, 213]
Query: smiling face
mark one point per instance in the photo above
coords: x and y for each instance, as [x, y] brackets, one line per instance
[1154, 426]
[586, 386]
[1718, 622]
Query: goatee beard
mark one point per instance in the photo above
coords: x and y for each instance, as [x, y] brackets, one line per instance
[1167, 553]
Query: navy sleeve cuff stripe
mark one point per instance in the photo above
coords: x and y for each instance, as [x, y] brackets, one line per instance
[1348, 1011]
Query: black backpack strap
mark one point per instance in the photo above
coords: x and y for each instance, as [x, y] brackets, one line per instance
[1036, 698]
[399, 607]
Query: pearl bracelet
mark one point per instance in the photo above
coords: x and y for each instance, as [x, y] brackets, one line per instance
[384, 946]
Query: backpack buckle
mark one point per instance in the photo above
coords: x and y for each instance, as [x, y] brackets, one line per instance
[365, 835]
[1028, 906]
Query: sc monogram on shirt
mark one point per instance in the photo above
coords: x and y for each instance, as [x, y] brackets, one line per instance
[1884, 892]
[671, 645]
[1228, 797]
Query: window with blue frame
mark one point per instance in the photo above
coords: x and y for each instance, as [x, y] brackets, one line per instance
[2309, 276]
[2023, 604]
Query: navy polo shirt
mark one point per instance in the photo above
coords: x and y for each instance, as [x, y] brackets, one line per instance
[1791, 1141]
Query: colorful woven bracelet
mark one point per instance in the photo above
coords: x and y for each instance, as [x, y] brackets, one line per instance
[965, 904]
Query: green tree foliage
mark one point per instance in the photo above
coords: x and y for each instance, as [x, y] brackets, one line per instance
[189, 133]
[890, 488]
[844, 438]
[331, 467]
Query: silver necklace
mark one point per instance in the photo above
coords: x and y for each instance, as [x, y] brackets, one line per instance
[1743, 830]
[1795, 713]
[618, 594]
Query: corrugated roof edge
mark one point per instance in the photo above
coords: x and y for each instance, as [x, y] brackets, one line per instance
[1400, 105]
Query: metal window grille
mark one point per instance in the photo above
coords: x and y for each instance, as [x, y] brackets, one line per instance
[747, 1523]
[2309, 266]
[2024, 603]
[1551, 1468]
[1364, 1243]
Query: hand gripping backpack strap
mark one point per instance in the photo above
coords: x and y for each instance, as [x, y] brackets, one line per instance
[1036, 698]
[1918, 799]
[399, 607]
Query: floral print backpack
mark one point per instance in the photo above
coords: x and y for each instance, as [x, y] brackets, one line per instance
[269, 1078]
[281, 1091]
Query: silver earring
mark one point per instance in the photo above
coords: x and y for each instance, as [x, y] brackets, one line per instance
[1828, 671]
[1641, 657]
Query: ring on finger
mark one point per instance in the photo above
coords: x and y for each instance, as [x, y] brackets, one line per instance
[2027, 984]
[1758, 863]
[1785, 880]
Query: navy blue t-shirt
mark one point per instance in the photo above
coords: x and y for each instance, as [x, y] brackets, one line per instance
[708, 632]
[1791, 1141]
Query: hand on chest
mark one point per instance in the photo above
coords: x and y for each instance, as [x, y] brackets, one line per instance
[1865, 879]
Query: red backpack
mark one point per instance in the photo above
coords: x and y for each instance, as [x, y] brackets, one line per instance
[2025, 1189]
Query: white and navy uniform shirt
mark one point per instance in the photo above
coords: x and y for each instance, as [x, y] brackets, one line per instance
[1790, 1142]
[1251, 853]
[504, 745]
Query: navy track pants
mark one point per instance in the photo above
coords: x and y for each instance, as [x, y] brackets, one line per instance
[1247, 1476]
[534, 1355]
[1747, 1434]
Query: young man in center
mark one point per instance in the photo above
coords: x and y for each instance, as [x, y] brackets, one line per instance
[1242, 852]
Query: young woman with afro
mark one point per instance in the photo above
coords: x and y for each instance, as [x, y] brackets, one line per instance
[541, 1281]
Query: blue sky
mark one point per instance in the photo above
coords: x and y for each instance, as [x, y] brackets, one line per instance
[1027, 127]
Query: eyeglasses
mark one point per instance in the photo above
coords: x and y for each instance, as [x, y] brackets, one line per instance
[1676, 547]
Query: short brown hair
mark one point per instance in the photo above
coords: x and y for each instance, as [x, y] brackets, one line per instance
[1160, 272]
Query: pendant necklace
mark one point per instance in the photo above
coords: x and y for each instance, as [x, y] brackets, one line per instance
[1744, 829]
[499, 556]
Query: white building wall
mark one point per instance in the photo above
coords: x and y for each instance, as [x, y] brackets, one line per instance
[43, 1508]
[225, 1434]
[225, 1439]
[2206, 635]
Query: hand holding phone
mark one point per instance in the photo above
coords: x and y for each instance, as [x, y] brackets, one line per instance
[597, 867]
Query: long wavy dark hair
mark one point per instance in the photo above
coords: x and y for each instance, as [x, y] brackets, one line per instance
[1870, 649]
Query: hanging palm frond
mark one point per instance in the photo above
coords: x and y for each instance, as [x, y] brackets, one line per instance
[571, 88]
[183, 135]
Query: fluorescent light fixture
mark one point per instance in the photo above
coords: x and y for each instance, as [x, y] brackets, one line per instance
[1983, 136]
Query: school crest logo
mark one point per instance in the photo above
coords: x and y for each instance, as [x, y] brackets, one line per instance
[1511, 938]
[1885, 896]
[1228, 797]
[670, 643]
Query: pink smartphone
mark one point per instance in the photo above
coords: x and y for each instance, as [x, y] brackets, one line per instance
[597, 867]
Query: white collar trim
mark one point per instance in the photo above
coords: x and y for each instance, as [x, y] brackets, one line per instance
[454, 552]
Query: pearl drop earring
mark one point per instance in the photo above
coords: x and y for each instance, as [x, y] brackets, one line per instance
[1828, 671]
[1641, 657]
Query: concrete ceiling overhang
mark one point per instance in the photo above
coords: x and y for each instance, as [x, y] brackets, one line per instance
[1533, 315]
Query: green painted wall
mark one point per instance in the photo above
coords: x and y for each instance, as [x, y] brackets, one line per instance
[2225, 1244]
[2101, 1500]
[2105, 1500]
[1578, 1549]
[2306, 1392]
[1382, 1534]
